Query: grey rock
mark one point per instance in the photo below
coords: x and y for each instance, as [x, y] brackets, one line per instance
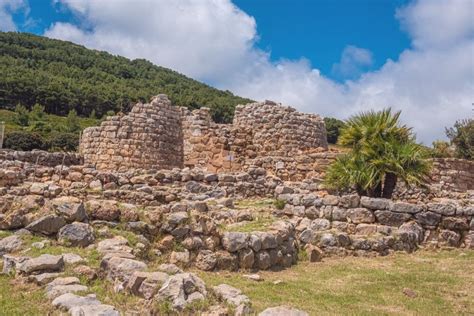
[331, 200]
[327, 240]
[10, 244]
[47, 225]
[320, 224]
[449, 238]
[446, 208]
[428, 218]
[10, 263]
[72, 212]
[231, 295]
[70, 300]
[42, 263]
[375, 203]
[94, 310]
[43, 278]
[121, 268]
[391, 218]
[360, 215]
[402, 207]
[76, 234]
[169, 268]
[72, 258]
[412, 228]
[246, 258]
[179, 289]
[455, 223]
[349, 201]
[283, 311]
[234, 241]
[263, 260]
[307, 236]
[206, 260]
[59, 290]
[255, 242]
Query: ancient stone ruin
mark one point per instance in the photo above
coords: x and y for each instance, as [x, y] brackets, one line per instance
[158, 135]
[163, 191]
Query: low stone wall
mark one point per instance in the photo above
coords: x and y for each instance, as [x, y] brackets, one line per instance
[360, 225]
[42, 158]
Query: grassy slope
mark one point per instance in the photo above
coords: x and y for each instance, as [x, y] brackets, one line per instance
[55, 121]
[366, 286]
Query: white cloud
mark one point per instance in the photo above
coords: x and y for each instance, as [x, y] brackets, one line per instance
[7, 8]
[213, 40]
[354, 60]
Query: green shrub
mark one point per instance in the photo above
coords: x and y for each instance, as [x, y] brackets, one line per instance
[64, 142]
[279, 204]
[333, 127]
[22, 115]
[461, 136]
[24, 141]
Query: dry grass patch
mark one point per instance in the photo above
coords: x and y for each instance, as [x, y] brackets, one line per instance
[367, 286]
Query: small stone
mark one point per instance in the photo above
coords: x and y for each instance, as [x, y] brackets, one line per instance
[76, 234]
[282, 311]
[253, 277]
[42, 263]
[409, 292]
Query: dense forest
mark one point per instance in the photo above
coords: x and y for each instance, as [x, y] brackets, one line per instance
[62, 76]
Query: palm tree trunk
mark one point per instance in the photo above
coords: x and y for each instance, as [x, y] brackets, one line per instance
[375, 191]
[389, 185]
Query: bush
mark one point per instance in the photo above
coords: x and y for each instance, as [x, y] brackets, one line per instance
[333, 127]
[24, 141]
[64, 142]
[279, 204]
[441, 149]
[22, 115]
[383, 152]
[461, 136]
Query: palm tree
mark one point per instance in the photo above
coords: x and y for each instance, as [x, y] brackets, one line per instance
[383, 151]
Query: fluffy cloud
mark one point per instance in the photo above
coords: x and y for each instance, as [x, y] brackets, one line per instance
[7, 8]
[354, 61]
[214, 41]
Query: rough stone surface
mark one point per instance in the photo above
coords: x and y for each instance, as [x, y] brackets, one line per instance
[76, 234]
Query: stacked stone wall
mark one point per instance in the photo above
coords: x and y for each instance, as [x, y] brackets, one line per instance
[42, 158]
[149, 137]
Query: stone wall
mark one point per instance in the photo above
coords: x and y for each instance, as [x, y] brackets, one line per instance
[349, 224]
[263, 134]
[453, 174]
[160, 136]
[149, 137]
[42, 158]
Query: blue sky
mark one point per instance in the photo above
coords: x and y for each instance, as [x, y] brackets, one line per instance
[331, 57]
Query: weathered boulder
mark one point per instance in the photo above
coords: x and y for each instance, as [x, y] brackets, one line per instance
[47, 263]
[428, 218]
[10, 244]
[48, 225]
[446, 208]
[234, 241]
[182, 289]
[402, 207]
[70, 300]
[231, 295]
[86, 310]
[455, 223]
[76, 234]
[206, 260]
[121, 269]
[391, 218]
[70, 209]
[146, 284]
[375, 203]
[63, 285]
[282, 311]
[360, 215]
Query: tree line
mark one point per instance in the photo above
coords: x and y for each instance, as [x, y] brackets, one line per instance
[62, 76]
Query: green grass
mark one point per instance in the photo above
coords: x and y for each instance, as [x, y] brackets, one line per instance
[262, 217]
[366, 286]
[18, 298]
